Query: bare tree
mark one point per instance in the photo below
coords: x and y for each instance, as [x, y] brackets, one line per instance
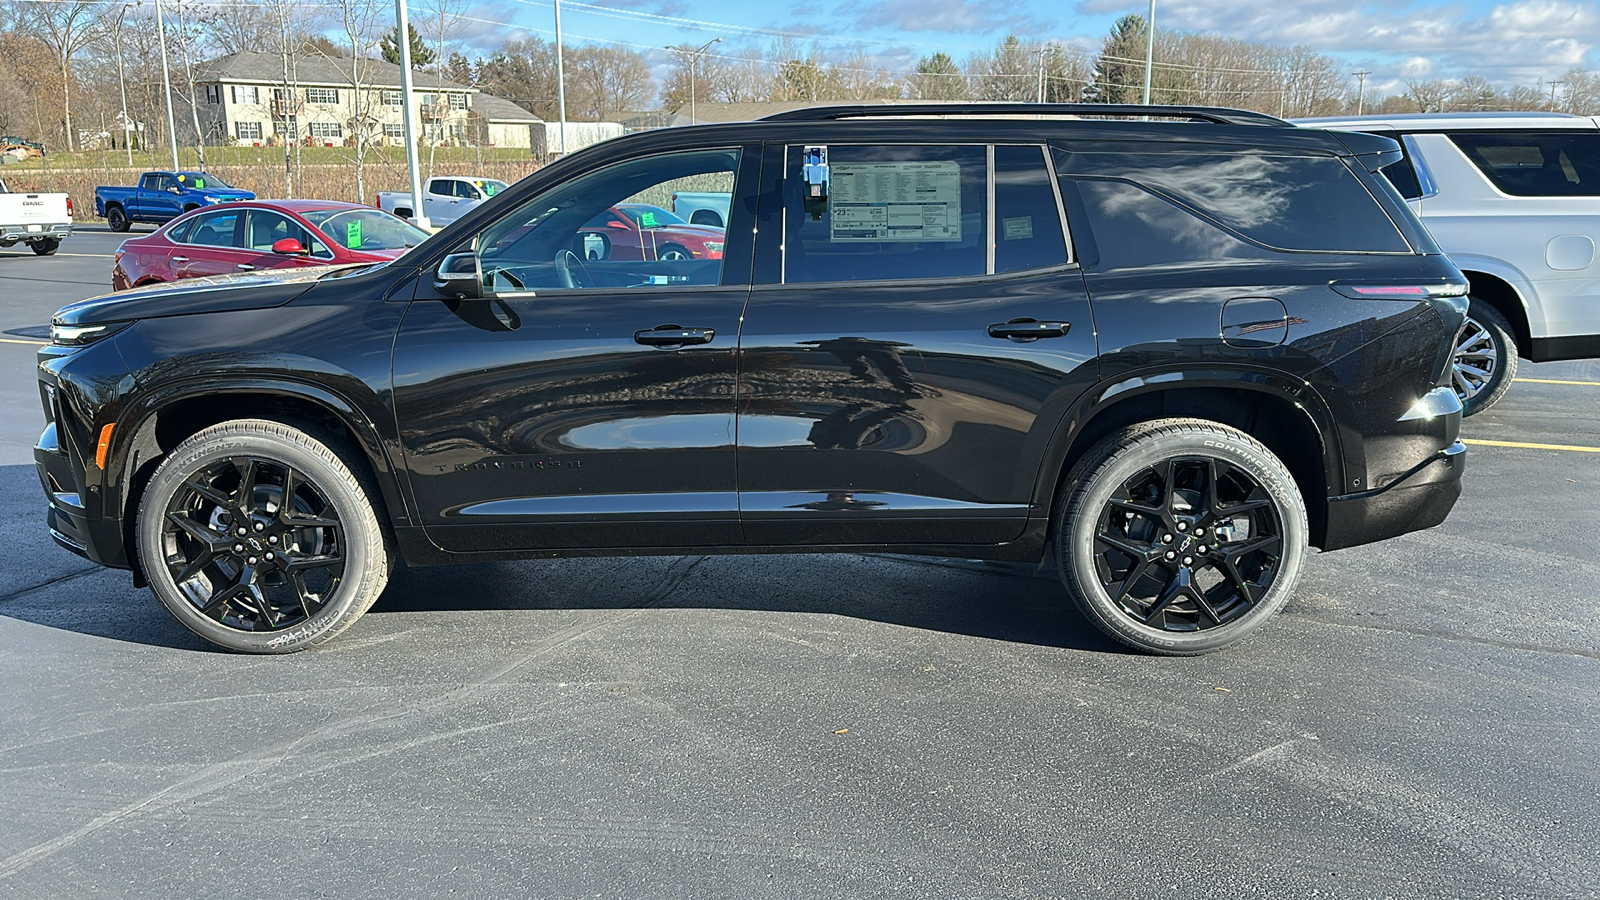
[607, 80]
[66, 27]
[238, 27]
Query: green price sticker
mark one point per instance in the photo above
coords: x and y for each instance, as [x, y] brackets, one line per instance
[352, 235]
[488, 189]
[647, 220]
[200, 183]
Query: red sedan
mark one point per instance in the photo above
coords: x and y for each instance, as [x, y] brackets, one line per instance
[262, 234]
[639, 231]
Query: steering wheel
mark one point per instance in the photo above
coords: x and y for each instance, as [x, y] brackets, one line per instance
[572, 271]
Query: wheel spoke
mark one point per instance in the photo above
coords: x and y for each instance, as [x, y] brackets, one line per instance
[293, 579]
[1134, 574]
[1125, 546]
[1262, 543]
[230, 587]
[258, 598]
[302, 563]
[245, 493]
[1204, 605]
[201, 533]
[1142, 509]
[1173, 590]
[1234, 509]
[1169, 493]
[1231, 571]
[211, 494]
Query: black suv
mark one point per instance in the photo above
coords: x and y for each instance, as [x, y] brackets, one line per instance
[1168, 353]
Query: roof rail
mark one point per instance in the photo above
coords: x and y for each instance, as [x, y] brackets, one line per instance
[1212, 114]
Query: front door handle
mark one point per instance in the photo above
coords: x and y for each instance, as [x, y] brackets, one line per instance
[179, 259]
[246, 267]
[1024, 330]
[674, 336]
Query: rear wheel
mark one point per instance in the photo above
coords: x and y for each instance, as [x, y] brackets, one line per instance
[1180, 536]
[117, 219]
[46, 247]
[673, 253]
[1485, 358]
[258, 537]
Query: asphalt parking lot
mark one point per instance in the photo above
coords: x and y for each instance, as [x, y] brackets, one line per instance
[1421, 721]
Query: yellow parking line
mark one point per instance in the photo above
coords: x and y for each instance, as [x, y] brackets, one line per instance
[1557, 381]
[15, 341]
[1519, 444]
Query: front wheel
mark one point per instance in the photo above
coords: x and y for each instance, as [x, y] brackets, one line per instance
[1180, 536]
[258, 537]
[117, 219]
[673, 253]
[1485, 358]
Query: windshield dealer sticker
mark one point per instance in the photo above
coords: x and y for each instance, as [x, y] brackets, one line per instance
[899, 201]
[647, 220]
[352, 235]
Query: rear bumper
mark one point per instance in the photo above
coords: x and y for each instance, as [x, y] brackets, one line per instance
[14, 233]
[1421, 498]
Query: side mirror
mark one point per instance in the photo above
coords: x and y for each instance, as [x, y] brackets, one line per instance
[617, 223]
[288, 247]
[459, 276]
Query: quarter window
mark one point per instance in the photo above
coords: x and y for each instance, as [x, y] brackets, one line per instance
[892, 213]
[1027, 231]
[1552, 164]
[610, 230]
[1134, 228]
[215, 229]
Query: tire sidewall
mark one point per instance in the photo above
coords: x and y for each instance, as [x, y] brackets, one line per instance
[1494, 322]
[117, 219]
[1081, 519]
[339, 487]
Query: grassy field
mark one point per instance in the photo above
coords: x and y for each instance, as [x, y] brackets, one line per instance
[326, 173]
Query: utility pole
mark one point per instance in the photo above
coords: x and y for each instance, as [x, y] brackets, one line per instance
[1149, 50]
[1361, 89]
[402, 40]
[694, 63]
[1553, 93]
[1043, 49]
[166, 80]
[122, 84]
[561, 83]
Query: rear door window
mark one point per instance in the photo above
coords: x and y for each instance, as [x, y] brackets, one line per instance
[893, 213]
[1532, 164]
[1027, 231]
[1312, 203]
[216, 229]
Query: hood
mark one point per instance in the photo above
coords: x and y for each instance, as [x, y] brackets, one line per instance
[222, 293]
[227, 193]
[706, 232]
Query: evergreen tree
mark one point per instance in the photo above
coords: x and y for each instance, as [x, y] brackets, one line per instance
[420, 54]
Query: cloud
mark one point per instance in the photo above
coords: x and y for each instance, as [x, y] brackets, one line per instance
[956, 16]
[1416, 67]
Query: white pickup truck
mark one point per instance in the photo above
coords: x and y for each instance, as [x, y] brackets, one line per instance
[40, 220]
[444, 198]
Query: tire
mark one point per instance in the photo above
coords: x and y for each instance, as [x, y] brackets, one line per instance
[117, 219]
[329, 557]
[673, 253]
[46, 247]
[1142, 493]
[191, 207]
[1485, 359]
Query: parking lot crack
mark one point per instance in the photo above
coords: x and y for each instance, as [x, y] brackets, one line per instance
[1450, 636]
[21, 592]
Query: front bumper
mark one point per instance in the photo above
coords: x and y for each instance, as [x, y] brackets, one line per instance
[1418, 499]
[14, 233]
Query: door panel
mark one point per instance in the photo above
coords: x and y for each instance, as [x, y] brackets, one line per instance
[887, 412]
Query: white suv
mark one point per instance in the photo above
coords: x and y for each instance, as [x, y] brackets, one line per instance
[1514, 198]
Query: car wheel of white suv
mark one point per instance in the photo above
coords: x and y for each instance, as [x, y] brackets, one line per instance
[1485, 359]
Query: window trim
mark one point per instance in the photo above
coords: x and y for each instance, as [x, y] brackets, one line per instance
[1050, 172]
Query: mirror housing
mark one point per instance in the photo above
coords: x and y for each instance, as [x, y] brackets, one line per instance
[460, 276]
[288, 247]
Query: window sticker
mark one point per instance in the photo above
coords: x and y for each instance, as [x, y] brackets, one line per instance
[200, 184]
[896, 201]
[1019, 228]
[352, 235]
[488, 188]
[647, 220]
[180, 179]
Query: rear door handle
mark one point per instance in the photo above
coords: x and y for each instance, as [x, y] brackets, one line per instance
[1024, 330]
[674, 336]
[245, 266]
[179, 259]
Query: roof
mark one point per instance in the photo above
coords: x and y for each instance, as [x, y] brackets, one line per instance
[497, 109]
[714, 113]
[267, 68]
[1458, 120]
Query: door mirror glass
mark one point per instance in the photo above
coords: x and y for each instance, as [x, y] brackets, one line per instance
[459, 276]
[594, 246]
[288, 247]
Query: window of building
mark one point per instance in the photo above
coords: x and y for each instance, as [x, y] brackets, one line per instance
[247, 131]
[458, 101]
[327, 130]
[893, 213]
[391, 98]
[322, 95]
[213, 93]
[394, 131]
[246, 93]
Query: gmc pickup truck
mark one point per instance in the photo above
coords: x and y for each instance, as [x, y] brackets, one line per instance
[39, 220]
[161, 196]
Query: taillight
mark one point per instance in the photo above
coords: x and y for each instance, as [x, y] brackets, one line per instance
[1392, 291]
[69, 207]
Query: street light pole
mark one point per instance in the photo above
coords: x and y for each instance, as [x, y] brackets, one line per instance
[1149, 50]
[122, 84]
[561, 84]
[166, 81]
[1361, 90]
[402, 41]
[694, 64]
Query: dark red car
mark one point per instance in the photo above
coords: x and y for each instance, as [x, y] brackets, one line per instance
[262, 234]
[639, 231]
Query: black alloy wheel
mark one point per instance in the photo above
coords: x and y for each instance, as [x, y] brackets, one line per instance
[117, 219]
[1485, 358]
[257, 536]
[254, 544]
[1180, 536]
[1188, 543]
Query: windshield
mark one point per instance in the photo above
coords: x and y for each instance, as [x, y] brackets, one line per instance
[365, 229]
[201, 180]
[646, 216]
[489, 186]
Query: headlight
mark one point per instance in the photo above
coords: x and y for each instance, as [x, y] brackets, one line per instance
[79, 335]
[714, 246]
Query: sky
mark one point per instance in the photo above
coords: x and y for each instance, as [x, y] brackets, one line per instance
[1521, 42]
